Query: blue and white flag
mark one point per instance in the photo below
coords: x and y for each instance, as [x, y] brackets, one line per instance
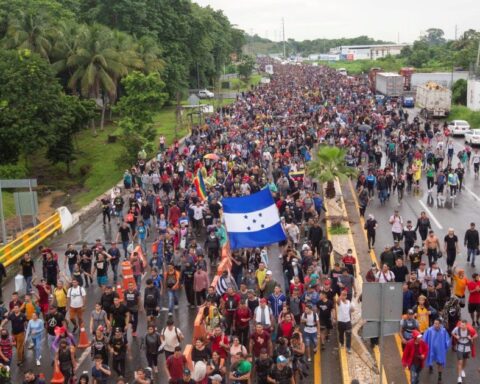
[252, 221]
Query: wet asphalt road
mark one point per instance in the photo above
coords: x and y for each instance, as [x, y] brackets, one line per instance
[465, 210]
[89, 230]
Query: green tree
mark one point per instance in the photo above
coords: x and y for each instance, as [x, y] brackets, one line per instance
[30, 30]
[29, 99]
[434, 36]
[144, 97]
[245, 68]
[328, 165]
[97, 65]
[75, 116]
[459, 92]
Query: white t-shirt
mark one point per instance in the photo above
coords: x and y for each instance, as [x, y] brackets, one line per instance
[76, 296]
[343, 311]
[385, 277]
[171, 338]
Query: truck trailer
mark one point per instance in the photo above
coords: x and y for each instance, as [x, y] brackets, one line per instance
[389, 84]
[433, 100]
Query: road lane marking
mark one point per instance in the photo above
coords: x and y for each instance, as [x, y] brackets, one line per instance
[474, 195]
[430, 214]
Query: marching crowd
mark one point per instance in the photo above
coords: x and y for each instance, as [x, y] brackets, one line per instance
[268, 313]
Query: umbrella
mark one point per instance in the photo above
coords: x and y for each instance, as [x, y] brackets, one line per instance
[364, 128]
[211, 156]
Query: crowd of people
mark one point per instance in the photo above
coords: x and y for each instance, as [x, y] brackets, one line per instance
[269, 313]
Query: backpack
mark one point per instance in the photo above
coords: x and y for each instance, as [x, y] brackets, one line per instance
[129, 218]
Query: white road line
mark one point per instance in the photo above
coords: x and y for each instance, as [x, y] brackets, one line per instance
[474, 195]
[430, 214]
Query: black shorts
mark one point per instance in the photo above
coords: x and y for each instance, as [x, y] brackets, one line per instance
[463, 355]
[326, 325]
[151, 312]
[472, 307]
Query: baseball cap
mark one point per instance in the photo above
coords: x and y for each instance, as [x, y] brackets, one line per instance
[216, 377]
[416, 334]
[269, 273]
[186, 371]
[281, 359]
[410, 312]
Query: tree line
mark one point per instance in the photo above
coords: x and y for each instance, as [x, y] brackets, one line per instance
[77, 54]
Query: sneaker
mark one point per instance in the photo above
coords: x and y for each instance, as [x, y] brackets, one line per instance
[463, 373]
[349, 350]
[459, 380]
[38, 362]
[309, 359]
[170, 313]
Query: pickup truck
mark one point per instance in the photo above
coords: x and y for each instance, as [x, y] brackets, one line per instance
[205, 94]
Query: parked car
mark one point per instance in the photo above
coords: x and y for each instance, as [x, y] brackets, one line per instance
[205, 94]
[472, 136]
[408, 102]
[458, 127]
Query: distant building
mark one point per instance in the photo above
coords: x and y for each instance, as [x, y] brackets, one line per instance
[323, 57]
[367, 52]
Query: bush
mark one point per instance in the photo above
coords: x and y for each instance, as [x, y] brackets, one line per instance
[13, 171]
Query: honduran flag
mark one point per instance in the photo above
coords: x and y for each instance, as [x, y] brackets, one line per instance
[200, 186]
[252, 221]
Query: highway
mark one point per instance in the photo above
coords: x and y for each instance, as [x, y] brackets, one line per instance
[465, 210]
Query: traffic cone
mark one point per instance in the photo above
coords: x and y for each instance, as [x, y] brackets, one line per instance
[119, 291]
[83, 341]
[58, 377]
[127, 275]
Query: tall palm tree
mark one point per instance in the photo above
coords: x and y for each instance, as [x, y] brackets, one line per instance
[150, 53]
[31, 31]
[96, 66]
[328, 165]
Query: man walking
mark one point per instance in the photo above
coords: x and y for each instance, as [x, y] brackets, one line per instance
[438, 342]
[472, 242]
[414, 356]
[344, 320]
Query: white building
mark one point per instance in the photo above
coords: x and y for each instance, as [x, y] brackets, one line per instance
[367, 52]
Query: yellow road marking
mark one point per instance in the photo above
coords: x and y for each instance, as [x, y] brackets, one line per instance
[374, 259]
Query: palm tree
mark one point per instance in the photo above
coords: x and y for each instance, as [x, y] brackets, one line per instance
[328, 165]
[149, 52]
[31, 31]
[96, 66]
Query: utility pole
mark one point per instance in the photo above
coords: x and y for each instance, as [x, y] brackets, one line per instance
[456, 31]
[478, 55]
[283, 32]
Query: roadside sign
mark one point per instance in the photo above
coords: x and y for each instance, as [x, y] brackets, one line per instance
[392, 303]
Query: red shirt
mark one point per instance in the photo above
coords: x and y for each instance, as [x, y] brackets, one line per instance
[242, 317]
[176, 366]
[474, 297]
[215, 345]
[259, 341]
[286, 329]
[349, 260]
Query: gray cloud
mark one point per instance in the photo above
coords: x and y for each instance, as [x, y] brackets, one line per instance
[310, 19]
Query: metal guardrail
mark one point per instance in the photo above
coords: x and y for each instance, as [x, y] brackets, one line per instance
[14, 250]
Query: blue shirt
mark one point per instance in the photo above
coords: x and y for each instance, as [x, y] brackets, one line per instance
[276, 303]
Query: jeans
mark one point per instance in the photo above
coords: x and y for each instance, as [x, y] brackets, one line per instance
[345, 332]
[114, 270]
[28, 283]
[134, 320]
[37, 344]
[143, 243]
[125, 248]
[138, 281]
[172, 299]
[471, 253]
[50, 340]
[415, 374]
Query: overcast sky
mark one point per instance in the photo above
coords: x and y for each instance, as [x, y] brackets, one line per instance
[380, 19]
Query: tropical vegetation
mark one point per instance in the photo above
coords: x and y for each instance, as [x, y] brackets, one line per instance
[329, 165]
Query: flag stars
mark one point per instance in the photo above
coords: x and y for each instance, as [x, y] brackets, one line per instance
[249, 228]
[245, 217]
[254, 220]
[260, 214]
[263, 226]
